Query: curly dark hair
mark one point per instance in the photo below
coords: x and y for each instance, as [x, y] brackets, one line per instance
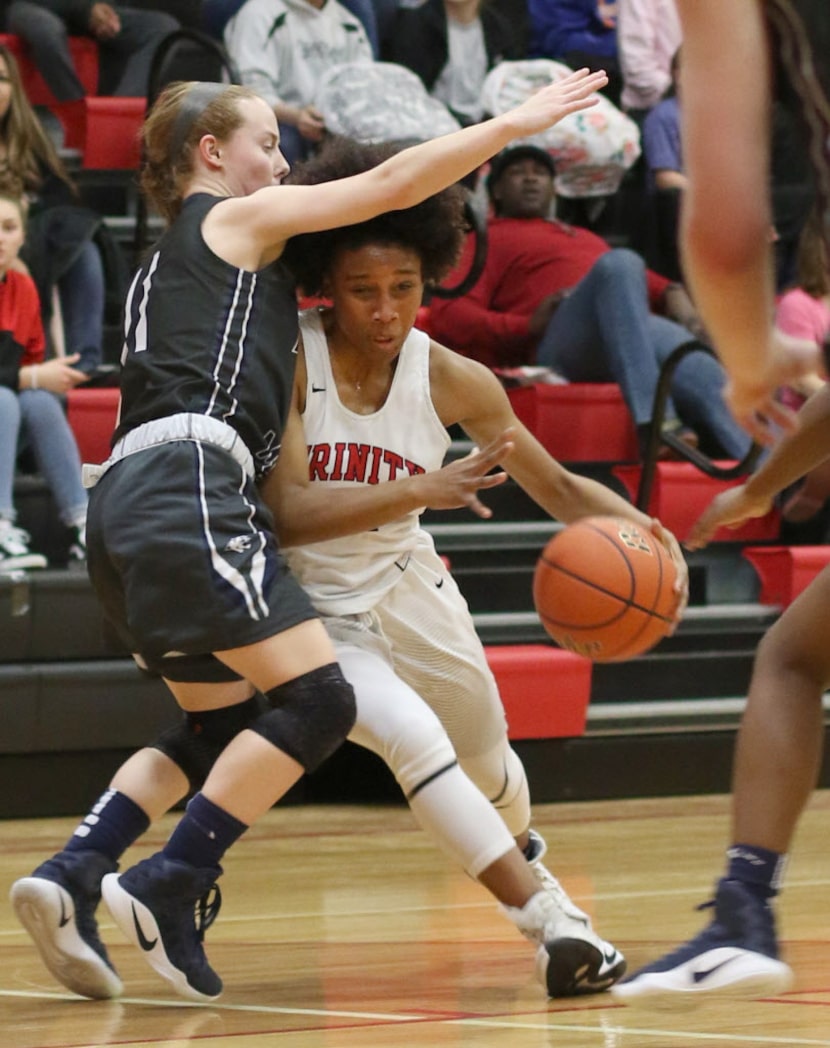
[433, 229]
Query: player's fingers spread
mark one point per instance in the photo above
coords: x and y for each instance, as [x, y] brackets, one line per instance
[491, 480]
[478, 507]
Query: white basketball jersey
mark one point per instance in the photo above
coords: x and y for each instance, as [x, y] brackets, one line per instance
[405, 436]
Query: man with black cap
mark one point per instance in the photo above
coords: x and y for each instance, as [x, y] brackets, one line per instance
[559, 296]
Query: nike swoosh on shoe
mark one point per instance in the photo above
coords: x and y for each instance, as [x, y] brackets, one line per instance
[145, 943]
[699, 976]
[64, 917]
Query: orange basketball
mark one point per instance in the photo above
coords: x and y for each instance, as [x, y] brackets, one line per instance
[603, 587]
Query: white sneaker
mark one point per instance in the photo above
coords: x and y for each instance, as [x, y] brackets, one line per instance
[572, 959]
[15, 554]
[734, 956]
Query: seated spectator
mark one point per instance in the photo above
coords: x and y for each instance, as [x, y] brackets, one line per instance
[217, 13]
[31, 412]
[662, 146]
[126, 38]
[580, 33]
[282, 48]
[665, 179]
[648, 36]
[60, 250]
[804, 312]
[559, 296]
[452, 45]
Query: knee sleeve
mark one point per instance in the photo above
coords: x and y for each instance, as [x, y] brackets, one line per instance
[421, 753]
[500, 776]
[310, 716]
[196, 742]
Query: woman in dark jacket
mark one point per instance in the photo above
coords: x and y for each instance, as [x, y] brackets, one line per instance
[452, 45]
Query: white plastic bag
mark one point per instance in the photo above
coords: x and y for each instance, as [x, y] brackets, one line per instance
[380, 102]
[592, 149]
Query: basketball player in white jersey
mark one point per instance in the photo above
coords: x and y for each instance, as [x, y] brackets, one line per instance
[376, 396]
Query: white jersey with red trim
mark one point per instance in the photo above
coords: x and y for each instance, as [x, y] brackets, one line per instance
[350, 575]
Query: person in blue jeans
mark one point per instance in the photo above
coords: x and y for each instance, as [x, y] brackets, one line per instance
[31, 412]
[559, 296]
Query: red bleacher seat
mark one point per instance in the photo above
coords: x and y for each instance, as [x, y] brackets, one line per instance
[92, 414]
[112, 129]
[680, 494]
[578, 422]
[84, 52]
[545, 690]
[785, 571]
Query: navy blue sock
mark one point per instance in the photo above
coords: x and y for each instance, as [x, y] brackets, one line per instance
[112, 824]
[204, 834]
[759, 869]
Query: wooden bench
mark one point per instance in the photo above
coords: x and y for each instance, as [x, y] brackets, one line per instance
[545, 690]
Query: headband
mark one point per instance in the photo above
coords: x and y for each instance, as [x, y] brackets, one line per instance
[196, 101]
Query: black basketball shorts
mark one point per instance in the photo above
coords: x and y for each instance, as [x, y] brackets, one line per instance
[182, 555]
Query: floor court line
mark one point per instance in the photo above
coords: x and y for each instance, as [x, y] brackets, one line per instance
[603, 1026]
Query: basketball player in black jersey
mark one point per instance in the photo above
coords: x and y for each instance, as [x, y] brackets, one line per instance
[735, 55]
[181, 546]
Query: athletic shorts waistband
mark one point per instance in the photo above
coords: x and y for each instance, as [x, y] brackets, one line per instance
[183, 426]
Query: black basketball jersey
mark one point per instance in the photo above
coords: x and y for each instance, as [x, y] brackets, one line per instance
[205, 337]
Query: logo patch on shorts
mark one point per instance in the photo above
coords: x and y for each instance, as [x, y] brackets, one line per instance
[239, 544]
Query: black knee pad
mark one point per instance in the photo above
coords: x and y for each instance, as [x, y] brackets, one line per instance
[310, 716]
[199, 738]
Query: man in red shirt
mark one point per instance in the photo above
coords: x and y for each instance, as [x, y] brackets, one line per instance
[559, 296]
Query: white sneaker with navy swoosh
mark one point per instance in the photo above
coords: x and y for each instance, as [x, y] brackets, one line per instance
[571, 959]
[736, 955]
[164, 908]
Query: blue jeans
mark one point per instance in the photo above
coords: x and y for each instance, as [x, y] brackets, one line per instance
[81, 292]
[604, 331]
[35, 417]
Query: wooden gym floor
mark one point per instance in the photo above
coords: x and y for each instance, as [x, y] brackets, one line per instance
[344, 928]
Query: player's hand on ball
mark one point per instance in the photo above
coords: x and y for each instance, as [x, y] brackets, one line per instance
[681, 585]
[457, 484]
[729, 509]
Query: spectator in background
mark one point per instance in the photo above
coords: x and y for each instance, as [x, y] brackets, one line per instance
[60, 250]
[578, 33]
[126, 39]
[648, 37]
[282, 48]
[804, 312]
[558, 296]
[452, 45]
[665, 181]
[31, 414]
[215, 15]
[662, 145]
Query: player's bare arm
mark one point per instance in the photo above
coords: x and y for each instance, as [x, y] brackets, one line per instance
[279, 212]
[306, 512]
[468, 393]
[791, 458]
